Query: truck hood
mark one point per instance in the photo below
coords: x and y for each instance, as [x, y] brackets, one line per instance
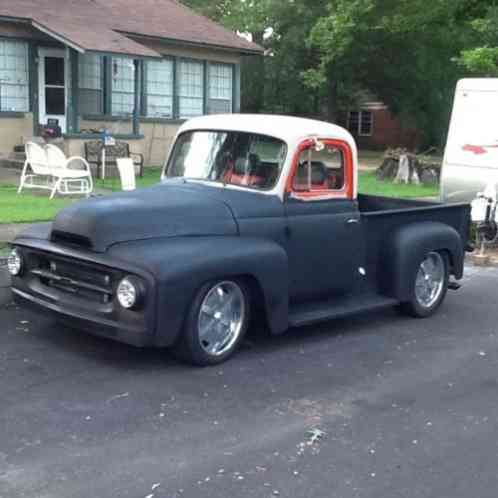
[166, 210]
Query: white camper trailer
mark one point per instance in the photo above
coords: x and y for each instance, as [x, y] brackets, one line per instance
[470, 161]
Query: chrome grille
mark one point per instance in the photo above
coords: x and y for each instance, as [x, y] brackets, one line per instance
[74, 277]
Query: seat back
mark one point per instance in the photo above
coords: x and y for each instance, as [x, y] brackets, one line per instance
[116, 151]
[93, 151]
[55, 157]
[126, 170]
[317, 175]
[37, 159]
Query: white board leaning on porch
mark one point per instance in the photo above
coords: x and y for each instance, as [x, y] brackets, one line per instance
[50, 171]
[126, 173]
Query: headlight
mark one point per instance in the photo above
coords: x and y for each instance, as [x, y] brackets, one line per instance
[15, 262]
[130, 292]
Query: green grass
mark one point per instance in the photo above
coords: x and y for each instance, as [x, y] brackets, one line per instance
[28, 207]
[4, 250]
[368, 184]
[151, 176]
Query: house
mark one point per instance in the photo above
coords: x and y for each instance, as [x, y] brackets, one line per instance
[375, 127]
[135, 68]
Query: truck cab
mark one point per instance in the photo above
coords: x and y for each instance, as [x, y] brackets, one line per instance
[255, 217]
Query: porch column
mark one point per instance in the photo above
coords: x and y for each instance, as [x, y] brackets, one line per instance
[236, 88]
[73, 122]
[138, 91]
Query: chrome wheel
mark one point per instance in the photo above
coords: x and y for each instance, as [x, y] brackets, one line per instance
[430, 280]
[221, 318]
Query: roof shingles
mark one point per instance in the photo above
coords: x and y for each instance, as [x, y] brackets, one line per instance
[101, 25]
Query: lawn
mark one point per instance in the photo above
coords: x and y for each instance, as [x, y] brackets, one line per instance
[368, 184]
[28, 207]
[4, 250]
[151, 176]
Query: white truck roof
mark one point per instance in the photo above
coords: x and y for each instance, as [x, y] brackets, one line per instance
[289, 129]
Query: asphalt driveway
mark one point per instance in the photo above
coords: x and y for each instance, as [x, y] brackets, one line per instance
[396, 407]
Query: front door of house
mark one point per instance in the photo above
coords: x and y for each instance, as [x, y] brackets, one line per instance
[52, 78]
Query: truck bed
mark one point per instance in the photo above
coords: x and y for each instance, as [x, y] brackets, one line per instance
[376, 204]
[380, 216]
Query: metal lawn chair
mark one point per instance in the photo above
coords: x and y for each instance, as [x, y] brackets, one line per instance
[41, 175]
[51, 164]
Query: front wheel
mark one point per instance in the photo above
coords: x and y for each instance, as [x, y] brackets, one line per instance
[429, 285]
[216, 323]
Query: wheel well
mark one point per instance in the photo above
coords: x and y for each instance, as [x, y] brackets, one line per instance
[450, 260]
[257, 297]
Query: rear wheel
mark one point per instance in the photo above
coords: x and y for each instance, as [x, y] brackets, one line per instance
[216, 323]
[429, 286]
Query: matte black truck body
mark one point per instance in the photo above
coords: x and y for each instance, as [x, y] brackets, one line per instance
[262, 240]
[302, 261]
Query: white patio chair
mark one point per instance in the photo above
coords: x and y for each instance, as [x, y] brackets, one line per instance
[50, 171]
[36, 161]
[68, 180]
[126, 170]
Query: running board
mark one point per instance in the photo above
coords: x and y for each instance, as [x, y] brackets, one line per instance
[306, 314]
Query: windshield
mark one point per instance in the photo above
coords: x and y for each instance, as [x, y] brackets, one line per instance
[228, 157]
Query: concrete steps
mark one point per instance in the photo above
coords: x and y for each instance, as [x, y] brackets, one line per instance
[16, 158]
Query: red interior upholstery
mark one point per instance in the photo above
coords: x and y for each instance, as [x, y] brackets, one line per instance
[236, 179]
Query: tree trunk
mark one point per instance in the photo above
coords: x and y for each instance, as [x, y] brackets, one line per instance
[332, 101]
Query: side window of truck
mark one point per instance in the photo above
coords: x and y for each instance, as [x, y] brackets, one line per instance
[320, 173]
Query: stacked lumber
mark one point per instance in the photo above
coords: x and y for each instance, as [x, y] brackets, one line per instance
[402, 166]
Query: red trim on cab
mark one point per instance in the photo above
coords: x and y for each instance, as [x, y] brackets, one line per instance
[320, 192]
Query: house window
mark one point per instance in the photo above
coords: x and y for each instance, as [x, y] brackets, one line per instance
[361, 123]
[220, 88]
[90, 84]
[123, 86]
[190, 88]
[159, 89]
[14, 79]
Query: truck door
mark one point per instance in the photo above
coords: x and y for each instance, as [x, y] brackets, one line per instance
[324, 232]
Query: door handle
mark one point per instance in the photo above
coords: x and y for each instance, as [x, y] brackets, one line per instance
[352, 221]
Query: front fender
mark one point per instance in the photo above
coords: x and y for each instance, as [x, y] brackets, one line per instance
[406, 247]
[182, 265]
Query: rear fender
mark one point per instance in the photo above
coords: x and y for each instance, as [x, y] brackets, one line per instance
[406, 248]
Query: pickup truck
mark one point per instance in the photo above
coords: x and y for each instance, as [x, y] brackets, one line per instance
[255, 217]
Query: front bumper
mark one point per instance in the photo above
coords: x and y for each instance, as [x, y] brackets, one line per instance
[136, 336]
[79, 289]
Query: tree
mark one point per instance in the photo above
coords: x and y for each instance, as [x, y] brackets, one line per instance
[482, 58]
[321, 57]
[402, 51]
